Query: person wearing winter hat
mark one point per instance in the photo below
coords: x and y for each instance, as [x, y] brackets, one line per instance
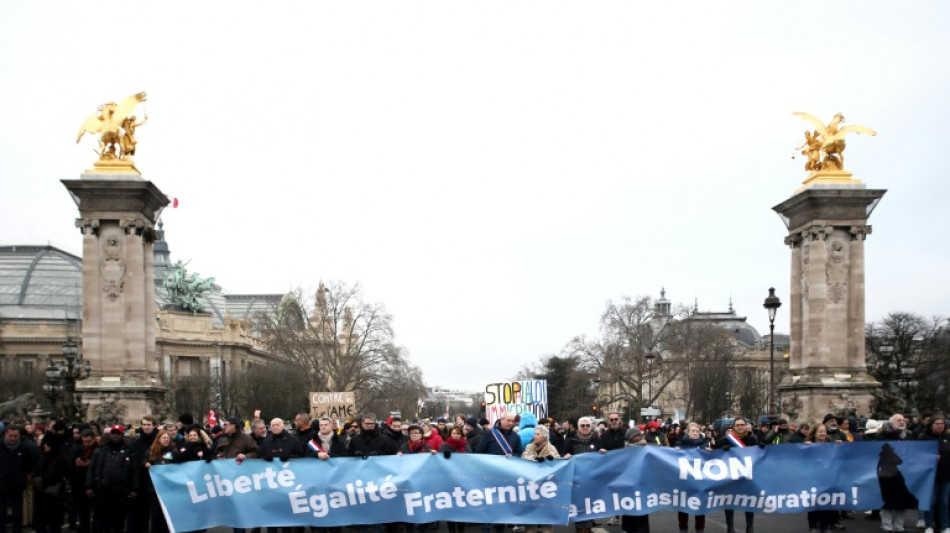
[653, 436]
[634, 437]
[872, 429]
[473, 432]
[831, 424]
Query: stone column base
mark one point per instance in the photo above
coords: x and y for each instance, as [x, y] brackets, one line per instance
[817, 398]
[125, 403]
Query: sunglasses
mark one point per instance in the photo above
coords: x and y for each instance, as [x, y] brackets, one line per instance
[584, 425]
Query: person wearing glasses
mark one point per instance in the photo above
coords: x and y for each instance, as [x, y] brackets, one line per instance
[613, 438]
[369, 441]
[741, 436]
[584, 441]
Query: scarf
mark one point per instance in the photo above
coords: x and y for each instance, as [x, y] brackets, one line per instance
[689, 442]
[457, 445]
[416, 446]
[583, 439]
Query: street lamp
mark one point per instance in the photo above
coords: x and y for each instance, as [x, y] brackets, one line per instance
[772, 303]
[650, 356]
[61, 378]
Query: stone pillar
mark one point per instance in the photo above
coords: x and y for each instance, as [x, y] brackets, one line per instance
[827, 226]
[117, 216]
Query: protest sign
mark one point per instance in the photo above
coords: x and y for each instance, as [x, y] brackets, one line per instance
[518, 397]
[336, 405]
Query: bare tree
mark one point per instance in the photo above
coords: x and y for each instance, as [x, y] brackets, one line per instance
[571, 387]
[752, 391]
[278, 389]
[709, 378]
[632, 330]
[341, 342]
[397, 388]
[903, 350]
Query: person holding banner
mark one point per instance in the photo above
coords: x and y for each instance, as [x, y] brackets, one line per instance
[326, 443]
[500, 440]
[236, 444]
[415, 444]
[821, 520]
[161, 452]
[694, 438]
[370, 442]
[280, 443]
[584, 441]
[455, 443]
[937, 430]
[740, 436]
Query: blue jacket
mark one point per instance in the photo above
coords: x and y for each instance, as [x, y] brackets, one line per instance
[489, 445]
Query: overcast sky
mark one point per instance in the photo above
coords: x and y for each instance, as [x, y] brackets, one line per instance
[492, 172]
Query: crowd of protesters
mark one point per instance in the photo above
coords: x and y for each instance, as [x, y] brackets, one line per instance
[93, 479]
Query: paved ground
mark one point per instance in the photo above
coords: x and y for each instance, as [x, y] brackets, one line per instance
[665, 522]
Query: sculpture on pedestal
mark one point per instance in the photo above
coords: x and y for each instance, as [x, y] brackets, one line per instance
[16, 407]
[824, 147]
[185, 290]
[115, 125]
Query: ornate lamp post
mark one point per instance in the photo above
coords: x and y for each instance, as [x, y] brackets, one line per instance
[772, 303]
[61, 378]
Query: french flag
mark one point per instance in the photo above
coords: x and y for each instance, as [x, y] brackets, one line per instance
[314, 446]
[731, 437]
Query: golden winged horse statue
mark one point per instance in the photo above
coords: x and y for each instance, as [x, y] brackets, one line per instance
[115, 125]
[828, 141]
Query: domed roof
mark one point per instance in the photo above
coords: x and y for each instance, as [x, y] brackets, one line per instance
[39, 282]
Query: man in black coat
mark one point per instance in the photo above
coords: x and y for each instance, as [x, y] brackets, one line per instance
[16, 463]
[79, 462]
[111, 481]
[614, 437]
[394, 431]
[138, 520]
[280, 443]
[369, 441]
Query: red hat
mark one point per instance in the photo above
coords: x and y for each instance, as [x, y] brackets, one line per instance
[117, 428]
[653, 425]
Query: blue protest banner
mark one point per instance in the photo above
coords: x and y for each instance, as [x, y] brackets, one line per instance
[345, 491]
[789, 478]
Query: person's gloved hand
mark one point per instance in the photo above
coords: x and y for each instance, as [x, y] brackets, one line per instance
[447, 453]
[268, 457]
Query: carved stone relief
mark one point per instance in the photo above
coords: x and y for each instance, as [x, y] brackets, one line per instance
[112, 266]
[837, 269]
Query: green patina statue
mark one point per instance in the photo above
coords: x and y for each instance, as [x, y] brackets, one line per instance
[185, 289]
